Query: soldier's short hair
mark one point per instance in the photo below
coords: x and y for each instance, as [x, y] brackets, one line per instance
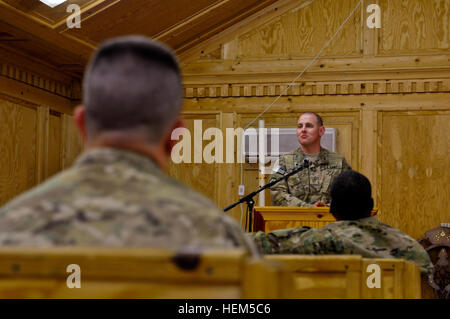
[318, 117]
[132, 83]
[351, 196]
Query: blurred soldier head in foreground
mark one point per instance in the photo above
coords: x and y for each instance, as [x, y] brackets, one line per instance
[132, 94]
[116, 193]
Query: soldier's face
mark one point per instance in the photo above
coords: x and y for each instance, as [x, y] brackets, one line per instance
[308, 130]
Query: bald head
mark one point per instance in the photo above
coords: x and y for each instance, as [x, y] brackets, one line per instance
[319, 120]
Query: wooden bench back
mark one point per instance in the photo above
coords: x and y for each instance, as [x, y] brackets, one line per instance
[134, 273]
[345, 276]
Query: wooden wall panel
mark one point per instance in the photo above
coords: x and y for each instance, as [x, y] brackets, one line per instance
[303, 32]
[54, 144]
[18, 126]
[33, 100]
[203, 177]
[414, 26]
[72, 143]
[414, 157]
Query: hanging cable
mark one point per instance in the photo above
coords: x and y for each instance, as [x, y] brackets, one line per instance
[300, 75]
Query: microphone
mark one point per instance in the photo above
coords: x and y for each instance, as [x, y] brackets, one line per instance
[306, 162]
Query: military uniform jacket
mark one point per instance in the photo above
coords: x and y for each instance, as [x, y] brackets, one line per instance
[309, 185]
[113, 197]
[367, 237]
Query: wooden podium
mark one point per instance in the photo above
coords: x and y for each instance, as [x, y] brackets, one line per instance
[270, 218]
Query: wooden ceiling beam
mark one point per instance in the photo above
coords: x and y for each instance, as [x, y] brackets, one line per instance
[215, 29]
[80, 50]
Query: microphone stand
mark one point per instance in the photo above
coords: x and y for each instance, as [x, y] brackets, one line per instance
[249, 198]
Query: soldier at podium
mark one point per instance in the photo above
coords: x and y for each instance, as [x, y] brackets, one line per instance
[310, 187]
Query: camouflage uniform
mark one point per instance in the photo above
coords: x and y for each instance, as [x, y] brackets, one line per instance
[309, 185]
[367, 237]
[113, 197]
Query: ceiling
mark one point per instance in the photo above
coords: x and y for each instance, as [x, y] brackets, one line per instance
[35, 29]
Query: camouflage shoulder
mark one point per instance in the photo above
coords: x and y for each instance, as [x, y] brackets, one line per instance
[334, 158]
[276, 241]
[37, 193]
[288, 159]
[320, 241]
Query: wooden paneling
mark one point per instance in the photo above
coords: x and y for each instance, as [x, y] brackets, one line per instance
[415, 26]
[54, 144]
[414, 156]
[303, 32]
[203, 177]
[35, 97]
[72, 143]
[18, 124]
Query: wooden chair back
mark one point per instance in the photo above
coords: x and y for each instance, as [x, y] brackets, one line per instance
[345, 277]
[134, 273]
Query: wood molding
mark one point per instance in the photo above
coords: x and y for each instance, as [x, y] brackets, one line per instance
[319, 88]
[323, 103]
[33, 79]
[25, 92]
[43, 115]
[325, 65]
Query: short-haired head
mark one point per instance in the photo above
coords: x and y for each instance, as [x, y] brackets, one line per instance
[351, 196]
[132, 83]
[318, 117]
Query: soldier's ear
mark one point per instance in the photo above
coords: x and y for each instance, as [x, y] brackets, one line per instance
[169, 143]
[79, 116]
[370, 205]
[322, 130]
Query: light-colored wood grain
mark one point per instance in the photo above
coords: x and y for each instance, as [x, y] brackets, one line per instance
[303, 32]
[413, 170]
[368, 146]
[72, 142]
[18, 124]
[271, 218]
[135, 273]
[203, 177]
[369, 36]
[345, 276]
[415, 26]
[54, 144]
[320, 277]
[400, 279]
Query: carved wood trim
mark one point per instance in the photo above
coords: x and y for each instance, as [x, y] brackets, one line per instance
[318, 88]
[38, 81]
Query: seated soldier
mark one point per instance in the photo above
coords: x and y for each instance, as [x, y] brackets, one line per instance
[355, 232]
[116, 193]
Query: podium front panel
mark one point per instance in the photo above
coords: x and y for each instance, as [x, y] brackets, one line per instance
[271, 218]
